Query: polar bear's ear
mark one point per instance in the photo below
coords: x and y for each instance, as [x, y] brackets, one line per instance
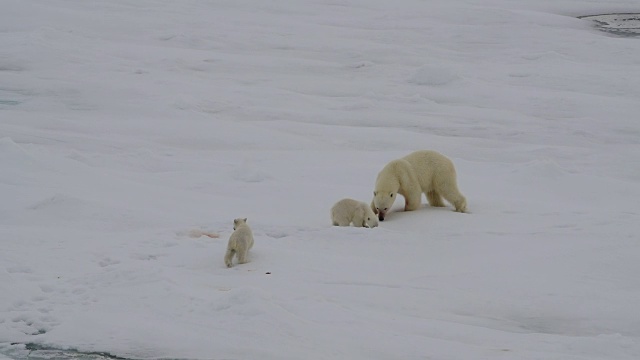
[375, 193]
[245, 219]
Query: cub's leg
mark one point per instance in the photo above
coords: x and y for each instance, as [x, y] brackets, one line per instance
[242, 256]
[228, 257]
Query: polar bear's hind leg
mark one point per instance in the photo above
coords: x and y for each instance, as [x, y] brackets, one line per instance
[242, 256]
[451, 193]
[434, 199]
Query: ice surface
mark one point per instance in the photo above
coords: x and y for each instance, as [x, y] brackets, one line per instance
[127, 125]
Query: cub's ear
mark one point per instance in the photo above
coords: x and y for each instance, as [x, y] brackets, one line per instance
[235, 221]
[375, 193]
[245, 219]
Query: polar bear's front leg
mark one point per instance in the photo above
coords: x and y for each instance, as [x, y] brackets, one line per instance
[412, 203]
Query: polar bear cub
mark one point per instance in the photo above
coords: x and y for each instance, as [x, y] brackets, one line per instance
[347, 211]
[239, 243]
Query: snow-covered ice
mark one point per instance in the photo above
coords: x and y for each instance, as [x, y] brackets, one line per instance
[127, 125]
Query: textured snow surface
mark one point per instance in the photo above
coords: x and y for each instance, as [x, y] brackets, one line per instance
[127, 126]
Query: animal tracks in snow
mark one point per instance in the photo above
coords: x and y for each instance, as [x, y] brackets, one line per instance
[108, 262]
[33, 316]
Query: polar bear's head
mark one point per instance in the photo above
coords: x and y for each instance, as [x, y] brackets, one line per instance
[370, 220]
[238, 222]
[382, 201]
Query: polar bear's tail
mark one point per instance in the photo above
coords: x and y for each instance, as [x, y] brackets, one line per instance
[199, 233]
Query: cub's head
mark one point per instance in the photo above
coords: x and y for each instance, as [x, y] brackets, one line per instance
[382, 201]
[370, 219]
[239, 221]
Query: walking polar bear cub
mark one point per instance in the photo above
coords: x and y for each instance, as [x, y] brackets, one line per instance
[423, 171]
[240, 242]
[347, 211]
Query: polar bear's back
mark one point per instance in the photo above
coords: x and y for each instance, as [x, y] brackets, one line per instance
[242, 237]
[431, 168]
[345, 208]
[395, 173]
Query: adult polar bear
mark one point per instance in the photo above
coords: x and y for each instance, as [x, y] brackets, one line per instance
[423, 171]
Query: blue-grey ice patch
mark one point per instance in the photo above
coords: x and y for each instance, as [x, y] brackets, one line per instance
[433, 76]
[618, 24]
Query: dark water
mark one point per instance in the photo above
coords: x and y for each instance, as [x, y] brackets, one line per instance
[31, 351]
[623, 25]
[39, 352]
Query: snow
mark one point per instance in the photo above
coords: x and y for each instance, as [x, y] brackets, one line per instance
[127, 126]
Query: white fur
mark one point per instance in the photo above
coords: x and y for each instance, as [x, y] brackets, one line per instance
[239, 243]
[347, 211]
[423, 171]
